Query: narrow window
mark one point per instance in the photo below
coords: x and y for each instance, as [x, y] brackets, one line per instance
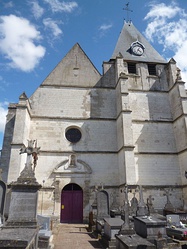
[132, 68]
[152, 69]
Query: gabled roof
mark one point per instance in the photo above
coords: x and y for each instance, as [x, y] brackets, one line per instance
[75, 69]
[130, 35]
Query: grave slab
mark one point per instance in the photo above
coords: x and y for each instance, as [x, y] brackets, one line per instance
[132, 242]
[18, 238]
[150, 227]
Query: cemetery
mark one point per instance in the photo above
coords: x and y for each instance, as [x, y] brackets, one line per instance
[146, 228]
[134, 225]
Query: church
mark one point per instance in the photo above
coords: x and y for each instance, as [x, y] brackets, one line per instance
[126, 126]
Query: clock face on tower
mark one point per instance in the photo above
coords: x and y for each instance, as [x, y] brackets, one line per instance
[137, 48]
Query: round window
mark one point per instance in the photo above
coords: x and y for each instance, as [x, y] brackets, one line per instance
[73, 135]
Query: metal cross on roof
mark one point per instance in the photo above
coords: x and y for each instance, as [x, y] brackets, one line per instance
[127, 10]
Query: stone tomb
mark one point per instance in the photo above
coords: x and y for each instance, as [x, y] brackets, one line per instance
[112, 227]
[150, 227]
[19, 238]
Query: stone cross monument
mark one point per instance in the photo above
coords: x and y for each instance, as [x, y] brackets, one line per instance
[23, 205]
[126, 228]
[142, 208]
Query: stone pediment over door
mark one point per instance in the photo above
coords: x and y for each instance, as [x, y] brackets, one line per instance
[72, 166]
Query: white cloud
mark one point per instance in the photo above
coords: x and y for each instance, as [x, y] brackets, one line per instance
[103, 29]
[17, 37]
[3, 113]
[53, 26]
[37, 10]
[162, 11]
[168, 25]
[57, 6]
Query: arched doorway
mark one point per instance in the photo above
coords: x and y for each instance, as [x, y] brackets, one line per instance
[71, 204]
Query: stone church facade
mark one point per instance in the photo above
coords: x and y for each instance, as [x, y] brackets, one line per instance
[124, 127]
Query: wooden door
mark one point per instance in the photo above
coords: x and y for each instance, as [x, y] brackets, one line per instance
[72, 205]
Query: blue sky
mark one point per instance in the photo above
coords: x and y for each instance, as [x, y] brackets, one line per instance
[36, 34]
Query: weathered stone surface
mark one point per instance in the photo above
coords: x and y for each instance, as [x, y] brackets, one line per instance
[18, 238]
[102, 204]
[22, 208]
[112, 226]
[149, 227]
[132, 242]
[45, 233]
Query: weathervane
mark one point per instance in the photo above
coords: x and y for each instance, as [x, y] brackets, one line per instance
[127, 10]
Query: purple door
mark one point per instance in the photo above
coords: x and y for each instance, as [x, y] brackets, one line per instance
[71, 204]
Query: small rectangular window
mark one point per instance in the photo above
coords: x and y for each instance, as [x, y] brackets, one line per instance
[152, 69]
[132, 68]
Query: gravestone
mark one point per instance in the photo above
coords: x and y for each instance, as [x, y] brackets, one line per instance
[45, 232]
[102, 204]
[44, 222]
[23, 205]
[2, 201]
[114, 208]
[102, 209]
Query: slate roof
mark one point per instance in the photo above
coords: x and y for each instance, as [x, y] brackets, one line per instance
[130, 34]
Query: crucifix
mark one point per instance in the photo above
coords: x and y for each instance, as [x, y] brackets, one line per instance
[127, 10]
[32, 151]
